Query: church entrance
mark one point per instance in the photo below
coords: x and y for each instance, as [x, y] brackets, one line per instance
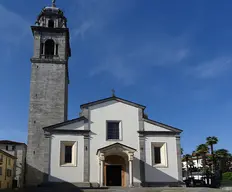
[114, 175]
[115, 171]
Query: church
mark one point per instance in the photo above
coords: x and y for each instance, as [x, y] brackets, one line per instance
[111, 143]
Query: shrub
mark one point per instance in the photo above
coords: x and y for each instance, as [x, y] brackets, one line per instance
[227, 176]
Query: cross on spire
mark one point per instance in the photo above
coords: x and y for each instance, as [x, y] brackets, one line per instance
[113, 93]
[53, 3]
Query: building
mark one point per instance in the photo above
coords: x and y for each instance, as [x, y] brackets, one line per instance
[17, 150]
[111, 143]
[7, 167]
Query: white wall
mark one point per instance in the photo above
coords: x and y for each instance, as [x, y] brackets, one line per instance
[151, 127]
[68, 174]
[197, 165]
[113, 110]
[167, 174]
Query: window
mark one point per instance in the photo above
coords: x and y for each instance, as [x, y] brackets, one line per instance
[49, 48]
[57, 47]
[1, 159]
[113, 130]
[8, 185]
[13, 147]
[9, 161]
[0, 184]
[8, 173]
[0, 170]
[7, 147]
[51, 24]
[68, 153]
[159, 154]
[41, 48]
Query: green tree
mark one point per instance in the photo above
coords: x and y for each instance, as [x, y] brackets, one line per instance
[186, 158]
[224, 159]
[211, 141]
[203, 149]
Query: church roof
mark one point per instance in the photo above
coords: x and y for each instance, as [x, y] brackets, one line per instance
[168, 127]
[113, 98]
[8, 142]
[51, 127]
[8, 154]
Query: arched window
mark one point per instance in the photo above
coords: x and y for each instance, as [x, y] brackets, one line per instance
[49, 48]
[51, 23]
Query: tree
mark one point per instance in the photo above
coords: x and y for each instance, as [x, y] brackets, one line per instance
[203, 149]
[211, 141]
[186, 158]
[223, 158]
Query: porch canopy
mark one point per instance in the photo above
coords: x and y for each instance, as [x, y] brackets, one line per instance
[116, 148]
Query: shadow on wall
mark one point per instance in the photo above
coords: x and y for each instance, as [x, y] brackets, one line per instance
[158, 178]
[45, 185]
[61, 185]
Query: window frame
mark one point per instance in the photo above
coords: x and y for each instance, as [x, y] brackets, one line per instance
[163, 154]
[120, 130]
[74, 145]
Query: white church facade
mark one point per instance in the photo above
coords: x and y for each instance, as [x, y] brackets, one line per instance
[114, 144]
[111, 143]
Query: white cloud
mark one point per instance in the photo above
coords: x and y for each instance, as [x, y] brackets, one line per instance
[213, 68]
[81, 31]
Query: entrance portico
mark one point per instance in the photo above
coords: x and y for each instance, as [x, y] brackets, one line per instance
[115, 158]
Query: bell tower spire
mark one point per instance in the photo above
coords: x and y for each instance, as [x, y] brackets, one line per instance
[53, 3]
[48, 88]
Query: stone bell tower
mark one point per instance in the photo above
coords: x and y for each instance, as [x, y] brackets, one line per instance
[48, 88]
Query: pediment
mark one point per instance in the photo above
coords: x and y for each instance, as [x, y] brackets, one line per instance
[70, 125]
[116, 147]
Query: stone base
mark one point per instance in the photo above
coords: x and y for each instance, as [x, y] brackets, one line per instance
[164, 184]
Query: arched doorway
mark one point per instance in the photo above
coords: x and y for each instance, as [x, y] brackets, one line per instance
[115, 171]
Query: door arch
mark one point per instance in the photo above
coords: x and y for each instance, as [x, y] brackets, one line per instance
[115, 160]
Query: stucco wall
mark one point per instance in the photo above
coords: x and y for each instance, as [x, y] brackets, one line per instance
[151, 127]
[167, 174]
[113, 110]
[68, 174]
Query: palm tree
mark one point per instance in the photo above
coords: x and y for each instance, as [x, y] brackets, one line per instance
[223, 157]
[211, 141]
[196, 154]
[203, 149]
[186, 158]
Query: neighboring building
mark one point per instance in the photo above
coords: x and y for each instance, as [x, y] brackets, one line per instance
[7, 167]
[111, 143]
[195, 165]
[19, 151]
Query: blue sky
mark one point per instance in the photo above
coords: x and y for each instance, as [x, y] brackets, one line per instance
[175, 57]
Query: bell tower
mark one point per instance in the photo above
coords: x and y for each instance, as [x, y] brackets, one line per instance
[48, 88]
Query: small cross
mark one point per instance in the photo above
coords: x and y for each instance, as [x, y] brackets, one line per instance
[113, 93]
[53, 3]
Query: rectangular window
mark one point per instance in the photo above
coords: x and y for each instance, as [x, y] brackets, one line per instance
[9, 161]
[41, 48]
[0, 170]
[8, 173]
[1, 159]
[0, 184]
[13, 147]
[7, 147]
[159, 154]
[113, 130]
[68, 153]
[57, 46]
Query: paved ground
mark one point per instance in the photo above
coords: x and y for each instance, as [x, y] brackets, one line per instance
[119, 190]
